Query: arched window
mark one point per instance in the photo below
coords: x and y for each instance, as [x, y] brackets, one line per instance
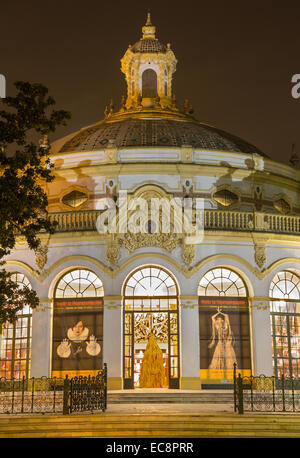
[151, 307]
[149, 83]
[150, 281]
[221, 282]
[166, 83]
[132, 82]
[166, 88]
[78, 324]
[16, 340]
[224, 326]
[285, 323]
[79, 283]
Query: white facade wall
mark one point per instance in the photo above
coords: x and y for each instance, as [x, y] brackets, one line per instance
[234, 250]
[63, 258]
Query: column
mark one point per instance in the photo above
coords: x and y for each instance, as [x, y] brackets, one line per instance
[261, 337]
[190, 344]
[112, 341]
[41, 339]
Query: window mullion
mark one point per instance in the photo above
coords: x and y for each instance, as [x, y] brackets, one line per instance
[289, 343]
[13, 349]
[28, 346]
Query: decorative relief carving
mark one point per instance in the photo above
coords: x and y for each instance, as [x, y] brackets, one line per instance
[41, 255]
[260, 255]
[260, 305]
[133, 242]
[156, 323]
[188, 254]
[112, 303]
[189, 303]
[112, 253]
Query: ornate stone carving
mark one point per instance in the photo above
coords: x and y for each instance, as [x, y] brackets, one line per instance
[188, 253]
[260, 255]
[112, 253]
[41, 255]
[259, 305]
[133, 242]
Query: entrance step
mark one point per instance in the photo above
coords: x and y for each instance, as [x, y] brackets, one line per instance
[143, 426]
[149, 396]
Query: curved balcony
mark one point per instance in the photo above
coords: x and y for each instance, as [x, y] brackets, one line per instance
[220, 220]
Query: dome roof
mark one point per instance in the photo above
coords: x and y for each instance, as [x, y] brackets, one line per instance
[148, 45]
[156, 132]
[149, 117]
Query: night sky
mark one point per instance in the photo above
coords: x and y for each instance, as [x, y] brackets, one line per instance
[235, 59]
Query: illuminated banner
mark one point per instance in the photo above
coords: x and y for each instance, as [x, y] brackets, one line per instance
[224, 338]
[77, 337]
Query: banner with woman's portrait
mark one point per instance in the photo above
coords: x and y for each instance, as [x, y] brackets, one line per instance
[77, 337]
[224, 338]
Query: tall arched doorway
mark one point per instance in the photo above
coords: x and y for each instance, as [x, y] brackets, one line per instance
[150, 304]
[224, 327]
[77, 324]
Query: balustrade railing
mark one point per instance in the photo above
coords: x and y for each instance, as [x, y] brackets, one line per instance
[86, 220]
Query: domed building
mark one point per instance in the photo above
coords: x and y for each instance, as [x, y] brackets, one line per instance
[122, 264]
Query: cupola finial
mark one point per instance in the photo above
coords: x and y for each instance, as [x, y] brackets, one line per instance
[148, 22]
[148, 29]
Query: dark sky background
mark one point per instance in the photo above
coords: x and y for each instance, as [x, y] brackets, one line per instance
[235, 59]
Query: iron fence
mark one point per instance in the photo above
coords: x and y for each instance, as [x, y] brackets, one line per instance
[266, 394]
[32, 395]
[88, 393]
[54, 395]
